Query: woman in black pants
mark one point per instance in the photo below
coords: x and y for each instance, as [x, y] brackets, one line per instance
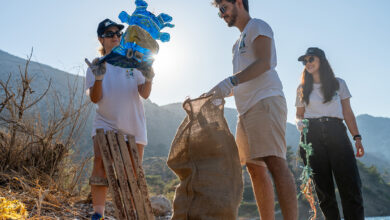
[324, 100]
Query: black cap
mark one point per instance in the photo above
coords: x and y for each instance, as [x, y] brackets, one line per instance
[105, 24]
[313, 51]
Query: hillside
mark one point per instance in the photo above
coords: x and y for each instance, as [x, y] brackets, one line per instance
[374, 130]
[163, 121]
[292, 135]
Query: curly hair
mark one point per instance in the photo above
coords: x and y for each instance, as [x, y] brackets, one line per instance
[245, 2]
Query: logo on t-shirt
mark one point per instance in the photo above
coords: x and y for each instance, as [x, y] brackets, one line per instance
[242, 44]
[336, 96]
[130, 74]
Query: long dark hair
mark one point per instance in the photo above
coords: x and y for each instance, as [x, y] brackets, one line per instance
[329, 83]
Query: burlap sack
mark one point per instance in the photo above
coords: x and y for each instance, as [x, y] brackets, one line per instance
[204, 156]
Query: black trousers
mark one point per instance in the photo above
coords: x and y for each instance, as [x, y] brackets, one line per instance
[333, 156]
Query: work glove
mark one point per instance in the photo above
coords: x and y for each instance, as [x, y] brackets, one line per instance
[97, 69]
[147, 71]
[222, 89]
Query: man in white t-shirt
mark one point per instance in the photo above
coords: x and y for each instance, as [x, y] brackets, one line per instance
[261, 105]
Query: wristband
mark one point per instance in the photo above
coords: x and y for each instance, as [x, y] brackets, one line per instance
[357, 136]
[233, 80]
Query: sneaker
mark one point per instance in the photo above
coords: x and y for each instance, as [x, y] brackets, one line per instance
[97, 216]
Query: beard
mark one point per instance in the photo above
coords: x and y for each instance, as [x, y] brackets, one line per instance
[233, 17]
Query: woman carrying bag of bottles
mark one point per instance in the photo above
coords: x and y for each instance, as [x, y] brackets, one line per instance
[324, 100]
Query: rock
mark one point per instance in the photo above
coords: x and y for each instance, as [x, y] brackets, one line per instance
[161, 206]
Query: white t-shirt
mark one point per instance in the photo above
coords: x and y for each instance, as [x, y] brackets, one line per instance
[121, 108]
[317, 108]
[267, 84]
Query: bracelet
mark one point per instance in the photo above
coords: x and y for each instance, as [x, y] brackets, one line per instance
[357, 136]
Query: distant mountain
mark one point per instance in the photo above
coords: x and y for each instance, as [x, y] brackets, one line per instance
[292, 135]
[374, 130]
[161, 127]
[163, 121]
[10, 64]
[60, 82]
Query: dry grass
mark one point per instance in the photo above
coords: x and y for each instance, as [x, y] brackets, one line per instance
[42, 202]
[36, 141]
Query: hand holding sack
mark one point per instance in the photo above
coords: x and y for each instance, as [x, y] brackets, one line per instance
[98, 69]
[300, 125]
[224, 88]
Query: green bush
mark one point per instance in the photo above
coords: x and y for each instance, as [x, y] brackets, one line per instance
[248, 195]
[248, 209]
[155, 184]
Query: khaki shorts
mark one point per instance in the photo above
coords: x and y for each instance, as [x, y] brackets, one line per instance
[261, 131]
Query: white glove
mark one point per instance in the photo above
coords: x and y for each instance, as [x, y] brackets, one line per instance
[222, 89]
[98, 70]
[147, 71]
[300, 125]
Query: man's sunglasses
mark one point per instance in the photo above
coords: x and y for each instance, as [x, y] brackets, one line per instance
[222, 11]
[310, 60]
[110, 34]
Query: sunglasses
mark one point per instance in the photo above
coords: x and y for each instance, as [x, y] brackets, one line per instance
[222, 11]
[110, 34]
[310, 60]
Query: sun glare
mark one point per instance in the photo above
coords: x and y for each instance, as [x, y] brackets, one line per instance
[165, 59]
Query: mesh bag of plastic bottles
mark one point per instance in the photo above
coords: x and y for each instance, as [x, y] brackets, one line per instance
[204, 156]
[138, 45]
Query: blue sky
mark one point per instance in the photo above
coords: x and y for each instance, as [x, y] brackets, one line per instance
[354, 35]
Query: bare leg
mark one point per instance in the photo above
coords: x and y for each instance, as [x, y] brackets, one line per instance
[263, 189]
[285, 186]
[98, 192]
[140, 149]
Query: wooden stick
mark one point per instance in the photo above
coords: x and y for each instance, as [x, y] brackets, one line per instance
[141, 178]
[121, 175]
[113, 184]
[136, 193]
